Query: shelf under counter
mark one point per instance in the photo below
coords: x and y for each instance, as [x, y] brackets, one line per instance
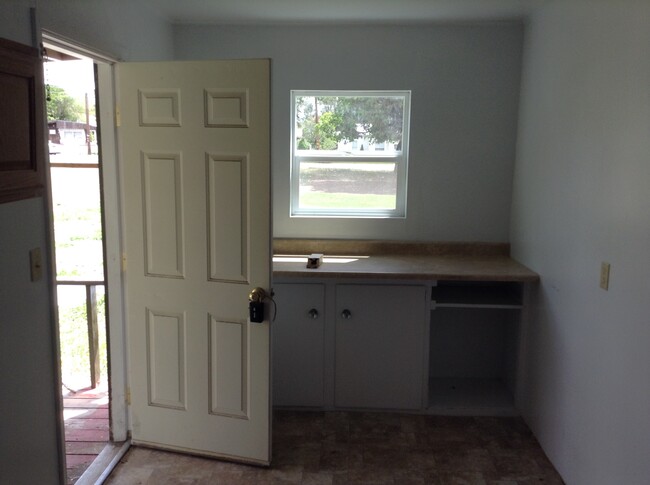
[470, 397]
[477, 294]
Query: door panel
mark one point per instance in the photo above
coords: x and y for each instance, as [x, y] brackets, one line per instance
[166, 360]
[227, 196]
[163, 214]
[228, 369]
[196, 185]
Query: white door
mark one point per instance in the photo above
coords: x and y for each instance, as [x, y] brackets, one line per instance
[196, 185]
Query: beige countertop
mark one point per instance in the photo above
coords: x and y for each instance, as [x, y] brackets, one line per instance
[396, 260]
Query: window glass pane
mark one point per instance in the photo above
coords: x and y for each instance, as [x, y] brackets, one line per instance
[349, 153]
[356, 125]
[351, 185]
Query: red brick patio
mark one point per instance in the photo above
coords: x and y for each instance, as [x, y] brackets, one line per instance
[85, 413]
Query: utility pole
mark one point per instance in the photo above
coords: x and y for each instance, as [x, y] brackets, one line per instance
[87, 129]
[317, 133]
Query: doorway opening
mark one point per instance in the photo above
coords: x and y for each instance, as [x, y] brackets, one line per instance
[79, 249]
[85, 206]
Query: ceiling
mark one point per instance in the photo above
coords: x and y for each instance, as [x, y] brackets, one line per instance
[340, 11]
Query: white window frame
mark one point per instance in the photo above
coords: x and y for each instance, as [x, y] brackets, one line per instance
[400, 159]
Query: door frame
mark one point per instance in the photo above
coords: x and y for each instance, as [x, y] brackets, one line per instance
[112, 225]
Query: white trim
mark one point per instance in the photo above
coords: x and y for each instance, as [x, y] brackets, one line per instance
[73, 48]
[104, 464]
[397, 158]
[400, 159]
[397, 93]
[112, 224]
[114, 244]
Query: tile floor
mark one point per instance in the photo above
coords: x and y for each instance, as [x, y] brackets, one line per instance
[364, 448]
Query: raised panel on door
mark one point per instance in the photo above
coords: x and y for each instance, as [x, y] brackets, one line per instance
[298, 340]
[379, 346]
[166, 362]
[228, 222]
[162, 190]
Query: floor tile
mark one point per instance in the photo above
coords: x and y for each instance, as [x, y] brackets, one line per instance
[334, 448]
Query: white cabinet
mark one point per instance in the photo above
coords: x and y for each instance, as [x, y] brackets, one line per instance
[298, 333]
[379, 352]
[445, 347]
[349, 346]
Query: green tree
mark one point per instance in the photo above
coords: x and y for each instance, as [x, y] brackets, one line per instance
[324, 133]
[378, 119]
[62, 106]
[326, 120]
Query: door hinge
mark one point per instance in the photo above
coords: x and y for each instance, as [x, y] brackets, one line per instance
[118, 117]
[127, 397]
[123, 262]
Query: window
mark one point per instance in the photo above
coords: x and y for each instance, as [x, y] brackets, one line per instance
[349, 153]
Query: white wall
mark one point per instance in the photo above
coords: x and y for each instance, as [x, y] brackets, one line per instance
[129, 30]
[28, 428]
[465, 83]
[15, 23]
[28, 434]
[582, 196]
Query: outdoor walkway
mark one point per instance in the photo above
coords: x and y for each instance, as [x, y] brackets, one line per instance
[85, 413]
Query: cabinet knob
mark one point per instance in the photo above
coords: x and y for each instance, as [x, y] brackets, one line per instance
[313, 314]
[347, 314]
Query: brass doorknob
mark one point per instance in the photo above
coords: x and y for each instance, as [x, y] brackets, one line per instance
[257, 294]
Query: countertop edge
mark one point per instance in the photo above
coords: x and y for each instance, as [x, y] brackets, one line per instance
[415, 267]
[377, 275]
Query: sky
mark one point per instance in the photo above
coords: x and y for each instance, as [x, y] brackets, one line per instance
[76, 77]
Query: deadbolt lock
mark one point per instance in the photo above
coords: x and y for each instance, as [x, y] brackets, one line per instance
[256, 305]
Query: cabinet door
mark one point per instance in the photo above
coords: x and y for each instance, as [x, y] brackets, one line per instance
[379, 346]
[298, 339]
[22, 141]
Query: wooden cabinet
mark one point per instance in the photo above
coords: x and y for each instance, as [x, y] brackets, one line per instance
[298, 345]
[22, 120]
[379, 346]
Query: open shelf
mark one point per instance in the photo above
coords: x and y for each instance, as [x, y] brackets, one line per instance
[473, 361]
[475, 397]
[476, 294]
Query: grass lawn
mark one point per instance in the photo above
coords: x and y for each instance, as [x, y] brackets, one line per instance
[79, 256]
[348, 186]
[73, 336]
[333, 200]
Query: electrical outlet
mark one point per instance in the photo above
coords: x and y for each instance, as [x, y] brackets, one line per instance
[604, 275]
